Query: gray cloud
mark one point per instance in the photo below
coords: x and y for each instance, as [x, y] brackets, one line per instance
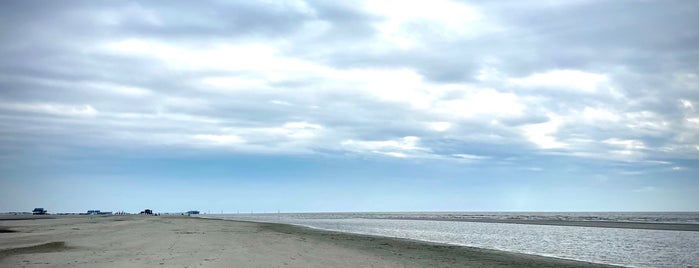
[314, 75]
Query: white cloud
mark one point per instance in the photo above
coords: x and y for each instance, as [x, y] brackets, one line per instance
[599, 114]
[228, 139]
[646, 122]
[676, 168]
[393, 154]
[280, 102]
[405, 144]
[542, 134]
[52, 109]
[447, 18]
[404, 147]
[570, 80]
[687, 104]
[298, 130]
[694, 122]
[177, 118]
[291, 137]
[120, 89]
[486, 103]
[232, 84]
[489, 74]
[400, 85]
[439, 126]
[244, 57]
[626, 147]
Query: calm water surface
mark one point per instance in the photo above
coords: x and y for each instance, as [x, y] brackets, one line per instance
[626, 247]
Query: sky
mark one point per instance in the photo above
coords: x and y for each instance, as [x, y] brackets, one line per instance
[306, 106]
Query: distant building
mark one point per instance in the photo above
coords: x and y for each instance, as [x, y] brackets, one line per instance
[193, 212]
[147, 212]
[39, 211]
[98, 212]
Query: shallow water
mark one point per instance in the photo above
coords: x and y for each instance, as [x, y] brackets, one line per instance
[647, 217]
[627, 247]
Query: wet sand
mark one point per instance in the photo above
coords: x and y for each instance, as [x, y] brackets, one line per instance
[148, 241]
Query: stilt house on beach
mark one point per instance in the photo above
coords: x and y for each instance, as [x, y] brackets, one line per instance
[147, 212]
[98, 212]
[39, 211]
[193, 212]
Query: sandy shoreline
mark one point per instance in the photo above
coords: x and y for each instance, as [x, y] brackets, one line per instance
[147, 241]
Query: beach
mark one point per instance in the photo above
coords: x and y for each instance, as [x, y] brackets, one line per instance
[167, 241]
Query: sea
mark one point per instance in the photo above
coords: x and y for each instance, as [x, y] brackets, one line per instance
[615, 246]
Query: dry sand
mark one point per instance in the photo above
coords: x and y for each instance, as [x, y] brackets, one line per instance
[149, 241]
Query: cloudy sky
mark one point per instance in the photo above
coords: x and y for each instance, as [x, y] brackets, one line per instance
[299, 105]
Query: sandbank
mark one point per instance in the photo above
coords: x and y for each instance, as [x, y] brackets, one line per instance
[150, 241]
